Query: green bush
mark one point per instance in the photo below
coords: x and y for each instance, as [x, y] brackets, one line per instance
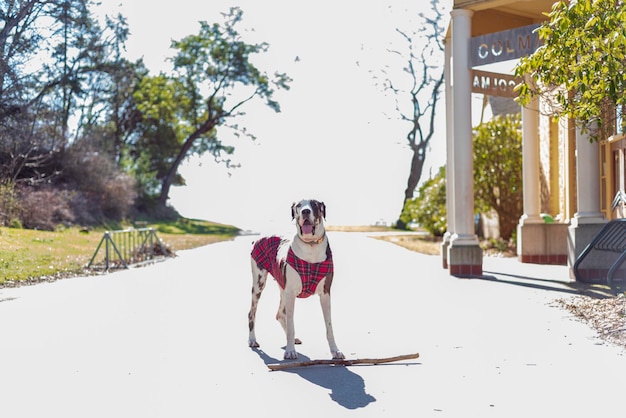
[15, 224]
[10, 207]
[428, 209]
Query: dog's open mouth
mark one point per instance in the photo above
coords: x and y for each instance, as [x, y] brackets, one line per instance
[307, 228]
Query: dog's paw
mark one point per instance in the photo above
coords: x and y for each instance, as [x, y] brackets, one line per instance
[290, 355]
[338, 355]
[253, 344]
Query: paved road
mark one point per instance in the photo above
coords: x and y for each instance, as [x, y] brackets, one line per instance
[169, 340]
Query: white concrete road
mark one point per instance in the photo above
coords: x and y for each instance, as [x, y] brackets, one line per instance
[170, 340]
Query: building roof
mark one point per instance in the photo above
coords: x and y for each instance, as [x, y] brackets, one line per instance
[532, 9]
[499, 15]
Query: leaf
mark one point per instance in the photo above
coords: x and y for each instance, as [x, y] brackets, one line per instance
[591, 23]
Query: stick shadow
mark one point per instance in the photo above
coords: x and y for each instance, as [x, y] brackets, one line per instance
[346, 387]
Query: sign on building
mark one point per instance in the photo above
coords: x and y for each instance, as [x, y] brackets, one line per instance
[503, 46]
[493, 84]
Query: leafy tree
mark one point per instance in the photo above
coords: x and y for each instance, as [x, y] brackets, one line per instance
[423, 60]
[581, 65]
[497, 180]
[19, 43]
[54, 63]
[150, 156]
[106, 113]
[498, 170]
[213, 78]
[59, 65]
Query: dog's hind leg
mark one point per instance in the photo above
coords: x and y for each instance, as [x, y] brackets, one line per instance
[259, 279]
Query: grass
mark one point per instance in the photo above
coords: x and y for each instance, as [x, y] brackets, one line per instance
[29, 254]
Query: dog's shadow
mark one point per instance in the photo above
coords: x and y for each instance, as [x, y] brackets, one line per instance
[346, 387]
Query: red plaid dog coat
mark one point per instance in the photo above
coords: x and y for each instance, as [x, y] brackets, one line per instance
[265, 254]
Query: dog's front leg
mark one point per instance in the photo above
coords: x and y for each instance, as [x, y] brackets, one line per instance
[330, 336]
[285, 316]
[293, 287]
[289, 303]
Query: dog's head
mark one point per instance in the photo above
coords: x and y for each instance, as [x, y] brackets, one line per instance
[309, 216]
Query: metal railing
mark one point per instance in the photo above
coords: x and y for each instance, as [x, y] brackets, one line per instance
[610, 239]
[618, 200]
[129, 246]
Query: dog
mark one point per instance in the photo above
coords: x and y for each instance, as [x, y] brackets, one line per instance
[302, 266]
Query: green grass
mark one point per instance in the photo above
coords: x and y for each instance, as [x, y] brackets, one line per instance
[28, 254]
[195, 227]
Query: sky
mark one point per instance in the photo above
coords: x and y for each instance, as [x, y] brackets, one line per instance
[333, 140]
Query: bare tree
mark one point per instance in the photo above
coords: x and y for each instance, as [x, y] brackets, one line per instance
[416, 101]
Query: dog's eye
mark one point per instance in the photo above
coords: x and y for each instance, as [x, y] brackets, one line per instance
[316, 208]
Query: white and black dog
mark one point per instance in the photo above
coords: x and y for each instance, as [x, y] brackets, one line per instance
[302, 267]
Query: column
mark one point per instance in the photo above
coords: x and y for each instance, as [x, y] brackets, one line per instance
[531, 231]
[464, 252]
[588, 219]
[447, 71]
[530, 163]
[588, 180]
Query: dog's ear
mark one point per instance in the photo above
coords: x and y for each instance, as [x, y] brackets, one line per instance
[293, 210]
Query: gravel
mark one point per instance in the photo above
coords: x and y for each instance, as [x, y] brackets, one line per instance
[607, 316]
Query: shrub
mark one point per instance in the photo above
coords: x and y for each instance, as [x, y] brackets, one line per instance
[428, 209]
[101, 190]
[15, 224]
[9, 203]
[119, 196]
[44, 208]
[498, 170]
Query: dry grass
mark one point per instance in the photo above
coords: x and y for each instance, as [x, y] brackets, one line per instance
[419, 243]
[424, 244]
[179, 242]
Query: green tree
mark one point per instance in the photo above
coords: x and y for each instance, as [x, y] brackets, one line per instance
[498, 170]
[581, 65]
[213, 78]
[150, 156]
[497, 180]
[55, 64]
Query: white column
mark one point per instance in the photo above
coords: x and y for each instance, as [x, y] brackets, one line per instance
[588, 180]
[530, 163]
[447, 72]
[449, 137]
[463, 165]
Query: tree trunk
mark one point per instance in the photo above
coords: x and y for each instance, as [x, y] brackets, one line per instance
[417, 166]
[167, 181]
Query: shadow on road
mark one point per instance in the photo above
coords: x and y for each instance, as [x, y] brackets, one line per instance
[572, 288]
[346, 387]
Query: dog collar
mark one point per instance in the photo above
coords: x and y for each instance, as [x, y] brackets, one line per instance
[314, 242]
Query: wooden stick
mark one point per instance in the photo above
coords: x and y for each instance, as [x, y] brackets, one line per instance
[341, 362]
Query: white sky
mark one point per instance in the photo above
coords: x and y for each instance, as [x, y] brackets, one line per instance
[332, 140]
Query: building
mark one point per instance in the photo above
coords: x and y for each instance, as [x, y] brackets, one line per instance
[565, 175]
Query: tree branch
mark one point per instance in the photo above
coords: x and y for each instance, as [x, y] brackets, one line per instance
[342, 362]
